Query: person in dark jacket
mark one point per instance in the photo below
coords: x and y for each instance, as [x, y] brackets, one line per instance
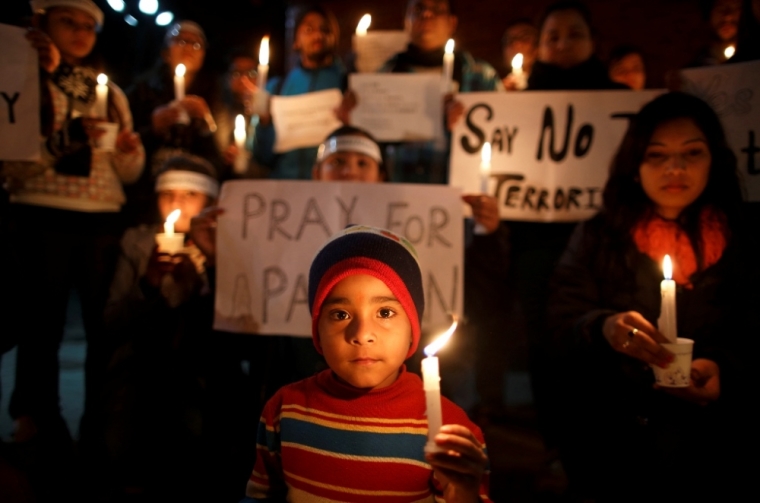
[673, 189]
[566, 59]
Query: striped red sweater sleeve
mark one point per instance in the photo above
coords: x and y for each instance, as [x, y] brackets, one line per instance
[321, 440]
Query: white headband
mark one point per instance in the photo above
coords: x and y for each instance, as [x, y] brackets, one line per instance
[349, 143]
[187, 180]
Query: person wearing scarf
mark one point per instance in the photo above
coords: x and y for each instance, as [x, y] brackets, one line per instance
[673, 189]
[64, 222]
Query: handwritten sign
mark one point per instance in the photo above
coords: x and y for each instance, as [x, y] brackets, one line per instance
[733, 91]
[304, 120]
[376, 47]
[271, 231]
[398, 107]
[19, 97]
[550, 150]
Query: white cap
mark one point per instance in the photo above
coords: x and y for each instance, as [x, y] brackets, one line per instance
[88, 6]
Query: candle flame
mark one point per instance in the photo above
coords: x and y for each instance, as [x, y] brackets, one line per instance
[485, 153]
[102, 79]
[432, 348]
[173, 216]
[667, 267]
[517, 61]
[364, 22]
[180, 70]
[450, 46]
[240, 122]
[264, 51]
[729, 51]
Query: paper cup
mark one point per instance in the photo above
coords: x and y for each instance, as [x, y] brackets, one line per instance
[170, 244]
[678, 373]
[106, 142]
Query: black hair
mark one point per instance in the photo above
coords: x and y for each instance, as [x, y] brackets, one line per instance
[748, 36]
[311, 8]
[451, 5]
[621, 51]
[625, 201]
[517, 22]
[347, 130]
[563, 5]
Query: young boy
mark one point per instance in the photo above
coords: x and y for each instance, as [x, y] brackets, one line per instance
[356, 432]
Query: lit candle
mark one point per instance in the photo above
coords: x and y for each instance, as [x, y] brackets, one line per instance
[517, 71]
[170, 242]
[729, 51]
[179, 82]
[240, 137]
[364, 22]
[431, 382]
[263, 63]
[667, 321]
[448, 65]
[101, 97]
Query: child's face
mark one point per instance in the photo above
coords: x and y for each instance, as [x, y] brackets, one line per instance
[189, 202]
[348, 167]
[72, 31]
[364, 332]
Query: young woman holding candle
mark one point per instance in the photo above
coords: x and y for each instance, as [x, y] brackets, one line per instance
[64, 214]
[673, 189]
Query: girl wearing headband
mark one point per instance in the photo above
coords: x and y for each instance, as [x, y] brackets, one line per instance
[349, 154]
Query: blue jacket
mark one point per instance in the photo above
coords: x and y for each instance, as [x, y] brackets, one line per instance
[295, 164]
[427, 162]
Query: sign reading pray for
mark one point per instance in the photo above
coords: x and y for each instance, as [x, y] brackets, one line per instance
[271, 230]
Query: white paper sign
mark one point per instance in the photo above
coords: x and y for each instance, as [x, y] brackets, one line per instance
[271, 230]
[550, 150]
[19, 97]
[398, 107]
[734, 93]
[304, 120]
[376, 47]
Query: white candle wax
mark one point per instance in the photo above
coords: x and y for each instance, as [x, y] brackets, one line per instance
[517, 71]
[667, 321]
[170, 241]
[101, 97]
[448, 65]
[179, 82]
[431, 384]
[485, 167]
[263, 63]
[431, 380]
[240, 137]
[364, 22]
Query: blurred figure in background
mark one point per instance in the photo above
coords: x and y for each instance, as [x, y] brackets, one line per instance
[520, 37]
[626, 66]
[723, 17]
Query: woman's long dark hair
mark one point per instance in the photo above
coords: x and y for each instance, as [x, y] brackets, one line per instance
[626, 203]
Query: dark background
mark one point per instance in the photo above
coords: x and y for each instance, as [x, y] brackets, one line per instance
[670, 32]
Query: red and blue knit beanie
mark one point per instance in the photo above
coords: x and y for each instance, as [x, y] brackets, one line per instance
[360, 249]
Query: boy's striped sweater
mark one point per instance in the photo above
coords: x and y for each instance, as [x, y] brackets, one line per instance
[322, 440]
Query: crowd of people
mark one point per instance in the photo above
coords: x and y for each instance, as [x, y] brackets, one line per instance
[174, 410]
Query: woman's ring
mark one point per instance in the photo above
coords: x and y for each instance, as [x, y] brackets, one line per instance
[632, 333]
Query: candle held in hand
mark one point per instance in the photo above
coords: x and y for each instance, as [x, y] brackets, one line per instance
[364, 22]
[179, 82]
[517, 71]
[448, 66]
[240, 137]
[263, 63]
[170, 242]
[667, 321]
[431, 380]
[101, 97]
